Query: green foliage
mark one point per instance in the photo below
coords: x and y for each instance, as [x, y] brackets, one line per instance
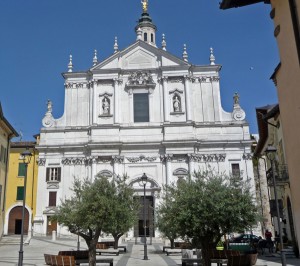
[165, 218]
[97, 206]
[209, 205]
[123, 210]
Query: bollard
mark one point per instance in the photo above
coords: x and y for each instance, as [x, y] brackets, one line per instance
[53, 235]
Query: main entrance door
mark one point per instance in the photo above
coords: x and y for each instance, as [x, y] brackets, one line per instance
[149, 212]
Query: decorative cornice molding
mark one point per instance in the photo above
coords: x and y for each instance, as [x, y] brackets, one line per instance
[141, 158]
[41, 161]
[207, 157]
[247, 156]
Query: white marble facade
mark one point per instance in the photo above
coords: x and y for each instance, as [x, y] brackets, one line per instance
[186, 128]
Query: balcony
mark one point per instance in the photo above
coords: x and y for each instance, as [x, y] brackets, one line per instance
[281, 175]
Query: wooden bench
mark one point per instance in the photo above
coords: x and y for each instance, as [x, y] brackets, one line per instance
[123, 247]
[78, 254]
[57, 260]
[102, 248]
[172, 251]
[107, 261]
[191, 261]
[108, 251]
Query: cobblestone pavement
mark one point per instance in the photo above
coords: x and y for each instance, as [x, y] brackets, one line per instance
[33, 254]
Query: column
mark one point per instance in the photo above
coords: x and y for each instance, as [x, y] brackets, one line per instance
[94, 100]
[166, 98]
[191, 160]
[187, 98]
[168, 158]
[117, 101]
[130, 92]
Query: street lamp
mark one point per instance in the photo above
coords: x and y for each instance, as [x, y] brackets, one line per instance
[144, 180]
[26, 157]
[271, 154]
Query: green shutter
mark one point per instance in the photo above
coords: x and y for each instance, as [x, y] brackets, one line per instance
[20, 193]
[22, 169]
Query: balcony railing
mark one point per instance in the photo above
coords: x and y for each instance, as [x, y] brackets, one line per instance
[281, 175]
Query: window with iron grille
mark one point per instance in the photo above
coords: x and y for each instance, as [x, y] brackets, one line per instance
[235, 170]
[53, 174]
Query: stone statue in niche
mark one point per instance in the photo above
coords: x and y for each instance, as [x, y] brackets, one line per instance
[105, 106]
[176, 104]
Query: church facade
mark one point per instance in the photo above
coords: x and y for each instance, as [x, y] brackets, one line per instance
[141, 110]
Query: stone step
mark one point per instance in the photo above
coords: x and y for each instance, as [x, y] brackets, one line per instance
[13, 240]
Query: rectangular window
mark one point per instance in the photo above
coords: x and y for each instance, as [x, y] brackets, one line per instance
[22, 169]
[20, 193]
[53, 174]
[52, 199]
[235, 170]
[141, 107]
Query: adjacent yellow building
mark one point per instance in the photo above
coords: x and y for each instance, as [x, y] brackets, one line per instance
[15, 189]
[6, 133]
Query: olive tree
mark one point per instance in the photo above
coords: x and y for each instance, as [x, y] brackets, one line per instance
[209, 205]
[123, 211]
[93, 206]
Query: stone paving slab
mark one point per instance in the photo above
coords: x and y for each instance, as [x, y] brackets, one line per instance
[34, 254]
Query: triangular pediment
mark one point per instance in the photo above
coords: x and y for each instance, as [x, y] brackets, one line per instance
[140, 55]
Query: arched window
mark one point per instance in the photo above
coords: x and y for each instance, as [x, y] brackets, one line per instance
[152, 37]
[145, 36]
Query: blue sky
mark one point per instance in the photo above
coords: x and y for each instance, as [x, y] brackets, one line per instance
[38, 36]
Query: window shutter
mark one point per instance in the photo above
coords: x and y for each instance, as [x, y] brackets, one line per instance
[47, 174]
[52, 199]
[59, 174]
[22, 169]
[20, 193]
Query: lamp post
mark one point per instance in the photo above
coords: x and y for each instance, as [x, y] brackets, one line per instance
[144, 180]
[271, 153]
[26, 157]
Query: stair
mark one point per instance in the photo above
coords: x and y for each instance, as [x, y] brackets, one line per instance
[13, 240]
[289, 252]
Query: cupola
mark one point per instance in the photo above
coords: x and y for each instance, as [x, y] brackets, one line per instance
[145, 27]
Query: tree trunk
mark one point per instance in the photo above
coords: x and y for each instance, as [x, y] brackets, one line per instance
[92, 252]
[172, 242]
[116, 238]
[206, 252]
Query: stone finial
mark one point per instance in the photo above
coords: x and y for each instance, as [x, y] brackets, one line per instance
[163, 43]
[212, 57]
[185, 54]
[139, 34]
[95, 59]
[116, 46]
[70, 65]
